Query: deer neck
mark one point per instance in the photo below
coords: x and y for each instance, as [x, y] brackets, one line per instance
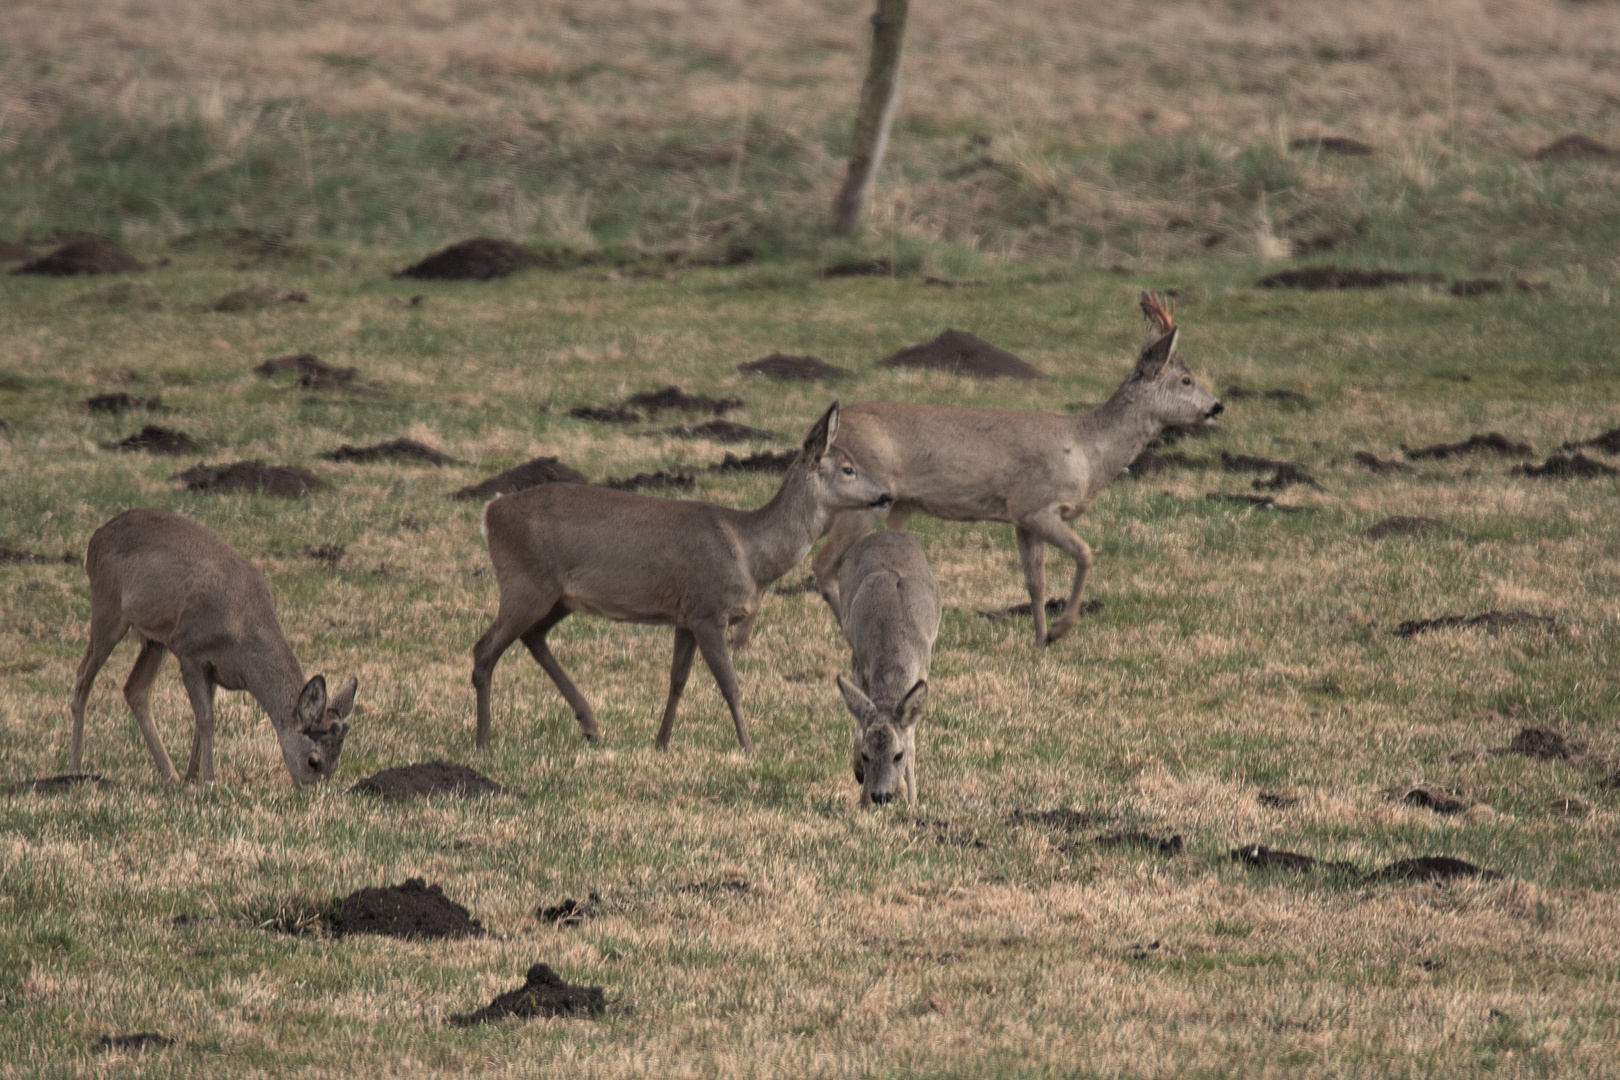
[780, 533]
[274, 678]
[1114, 435]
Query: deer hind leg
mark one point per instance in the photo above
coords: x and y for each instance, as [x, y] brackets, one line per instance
[1032, 554]
[679, 669]
[535, 639]
[847, 528]
[1049, 527]
[138, 692]
[200, 688]
[107, 629]
[513, 620]
[711, 642]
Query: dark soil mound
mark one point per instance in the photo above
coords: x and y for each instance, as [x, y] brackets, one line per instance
[122, 403]
[1378, 466]
[1566, 147]
[1494, 621]
[157, 440]
[860, 268]
[430, 778]
[11, 554]
[1148, 463]
[1542, 744]
[1054, 607]
[720, 431]
[478, 259]
[1263, 858]
[395, 450]
[54, 785]
[1494, 441]
[10, 252]
[1173, 845]
[543, 993]
[1259, 502]
[617, 414]
[1440, 800]
[782, 366]
[1564, 467]
[83, 255]
[1277, 802]
[764, 461]
[570, 912]
[1337, 144]
[673, 398]
[251, 476]
[141, 1040]
[1243, 393]
[542, 470]
[412, 910]
[1285, 474]
[961, 353]
[1317, 278]
[1608, 442]
[1476, 287]
[313, 374]
[662, 480]
[1430, 868]
[1400, 526]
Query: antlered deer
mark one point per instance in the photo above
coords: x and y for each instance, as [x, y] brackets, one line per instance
[700, 568]
[1036, 470]
[185, 590]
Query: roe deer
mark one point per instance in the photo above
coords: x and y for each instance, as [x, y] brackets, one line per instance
[184, 589]
[1033, 469]
[890, 618]
[561, 548]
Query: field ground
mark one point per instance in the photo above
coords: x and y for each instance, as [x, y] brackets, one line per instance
[1238, 651]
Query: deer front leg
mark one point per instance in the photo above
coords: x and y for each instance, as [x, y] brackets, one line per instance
[107, 629]
[679, 668]
[1032, 554]
[200, 688]
[711, 642]
[535, 640]
[1049, 527]
[138, 692]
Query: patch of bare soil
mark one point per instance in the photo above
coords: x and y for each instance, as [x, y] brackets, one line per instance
[1172, 845]
[18, 555]
[541, 470]
[1243, 393]
[1566, 467]
[393, 450]
[570, 912]
[617, 414]
[960, 353]
[1439, 799]
[1277, 802]
[1284, 473]
[312, 372]
[1567, 147]
[1054, 606]
[83, 255]
[1494, 441]
[720, 431]
[1476, 287]
[1400, 525]
[860, 268]
[13, 252]
[480, 259]
[543, 993]
[1494, 621]
[1336, 144]
[1378, 466]
[782, 366]
[1608, 442]
[55, 785]
[414, 909]
[761, 461]
[1148, 463]
[155, 439]
[662, 480]
[1258, 502]
[1260, 857]
[1542, 744]
[121, 402]
[250, 476]
[673, 398]
[1317, 278]
[141, 1040]
[1431, 868]
[429, 778]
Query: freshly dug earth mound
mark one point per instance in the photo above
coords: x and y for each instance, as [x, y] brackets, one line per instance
[1476, 287]
[83, 255]
[1564, 467]
[720, 431]
[1284, 473]
[11, 554]
[54, 785]
[764, 461]
[961, 353]
[1494, 441]
[782, 366]
[1431, 868]
[1542, 743]
[541, 470]
[479, 259]
[121, 402]
[312, 372]
[1317, 278]
[1608, 442]
[1400, 526]
[1262, 857]
[1378, 466]
[394, 450]
[662, 480]
[10, 252]
[412, 910]
[1576, 145]
[1173, 845]
[1434, 797]
[570, 912]
[1054, 606]
[1338, 144]
[1148, 463]
[1494, 621]
[429, 778]
[674, 398]
[252, 476]
[141, 1040]
[157, 440]
[543, 993]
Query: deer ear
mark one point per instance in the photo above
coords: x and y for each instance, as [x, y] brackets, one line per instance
[342, 704]
[859, 705]
[913, 705]
[821, 434]
[1155, 354]
[311, 708]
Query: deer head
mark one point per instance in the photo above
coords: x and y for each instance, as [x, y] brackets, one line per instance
[313, 741]
[1161, 380]
[884, 742]
[840, 482]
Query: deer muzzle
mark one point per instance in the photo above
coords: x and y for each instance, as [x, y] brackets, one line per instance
[1214, 411]
[883, 502]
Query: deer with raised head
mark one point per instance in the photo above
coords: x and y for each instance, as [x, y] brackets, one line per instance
[185, 590]
[1035, 470]
[890, 616]
[700, 568]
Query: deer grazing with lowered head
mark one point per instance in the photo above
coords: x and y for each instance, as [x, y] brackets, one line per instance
[186, 591]
[890, 616]
[700, 568]
[1036, 470]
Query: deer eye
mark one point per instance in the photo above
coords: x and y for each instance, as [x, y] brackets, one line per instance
[898, 756]
[1186, 380]
[849, 470]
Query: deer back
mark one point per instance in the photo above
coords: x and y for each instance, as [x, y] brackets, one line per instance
[890, 614]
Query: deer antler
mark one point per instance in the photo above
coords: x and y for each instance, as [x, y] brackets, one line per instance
[1162, 318]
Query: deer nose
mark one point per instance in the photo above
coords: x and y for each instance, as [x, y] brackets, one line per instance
[883, 502]
[1215, 411]
[882, 798]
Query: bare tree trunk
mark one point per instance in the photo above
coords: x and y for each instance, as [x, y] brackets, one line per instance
[879, 93]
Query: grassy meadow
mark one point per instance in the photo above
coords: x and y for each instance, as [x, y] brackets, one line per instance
[1049, 161]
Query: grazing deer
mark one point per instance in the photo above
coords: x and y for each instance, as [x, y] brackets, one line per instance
[561, 548]
[890, 618]
[1033, 469]
[184, 589]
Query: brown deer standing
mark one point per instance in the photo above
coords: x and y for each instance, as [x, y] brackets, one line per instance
[1036, 470]
[700, 568]
[185, 590]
